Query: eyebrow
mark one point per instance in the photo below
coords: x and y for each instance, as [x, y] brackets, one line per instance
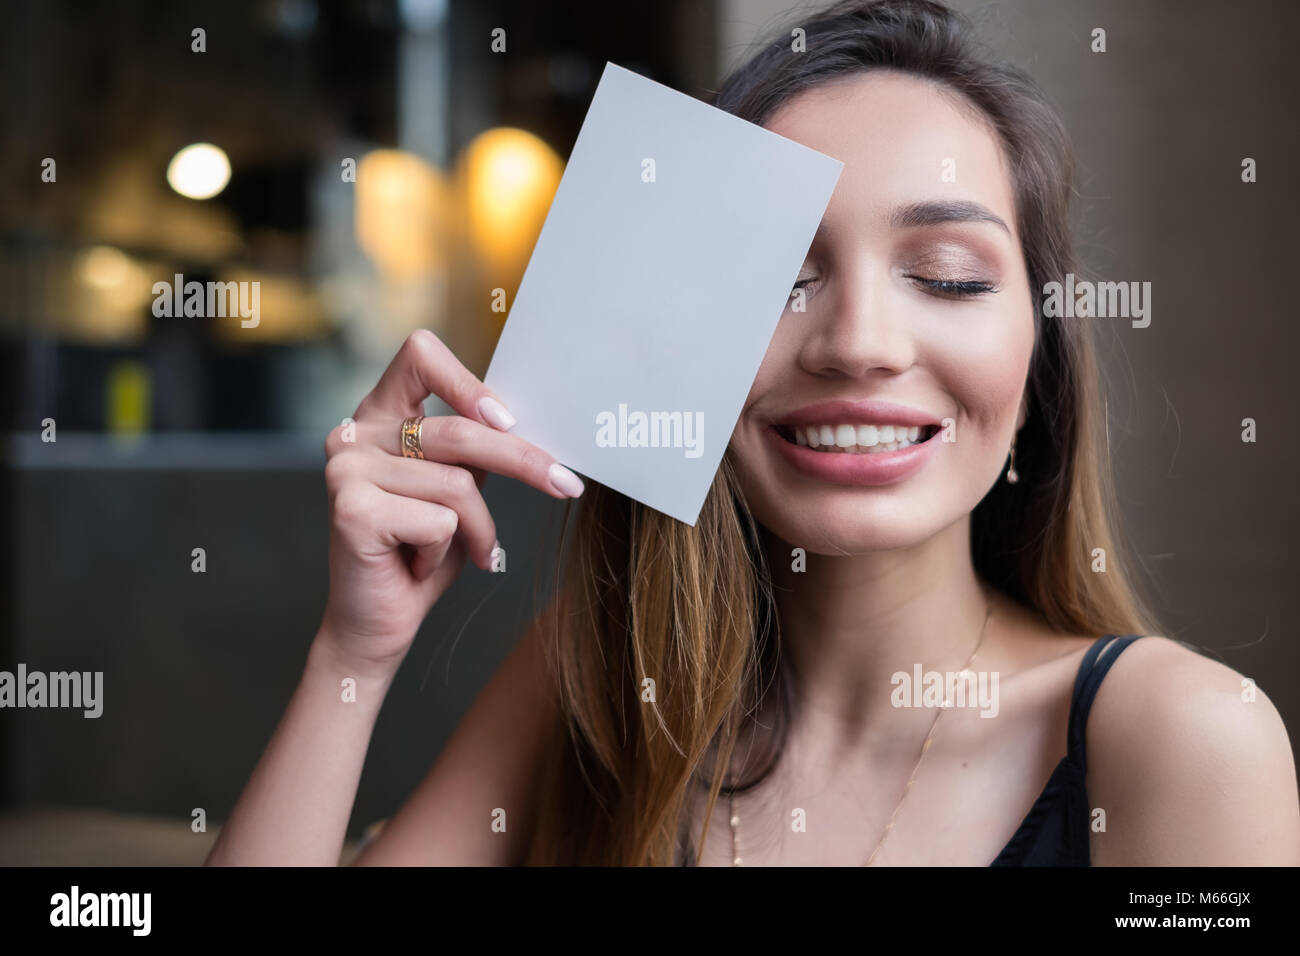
[934, 213]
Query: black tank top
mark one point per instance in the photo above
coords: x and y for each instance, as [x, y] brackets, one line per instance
[1055, 831]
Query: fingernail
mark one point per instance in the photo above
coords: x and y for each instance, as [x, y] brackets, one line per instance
[565, 481]
[495, 414]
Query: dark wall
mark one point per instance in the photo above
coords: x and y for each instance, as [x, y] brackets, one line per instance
[197, 667]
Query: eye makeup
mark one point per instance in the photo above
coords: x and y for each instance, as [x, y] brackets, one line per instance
[949, 268]
[939, 261]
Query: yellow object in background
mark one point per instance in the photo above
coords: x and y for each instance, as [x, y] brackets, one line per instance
[400, 205]
[129, 389]
[509, 177]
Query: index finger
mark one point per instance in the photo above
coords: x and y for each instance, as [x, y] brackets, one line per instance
[424, 366]
[452, 440]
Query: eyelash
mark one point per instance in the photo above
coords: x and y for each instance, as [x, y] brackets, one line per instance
[944, 287]
[953, 288]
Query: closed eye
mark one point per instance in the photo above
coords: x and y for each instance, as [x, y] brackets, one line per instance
[953, 287]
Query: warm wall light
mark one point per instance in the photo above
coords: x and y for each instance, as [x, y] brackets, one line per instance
[399, 206]
[117, 282]
[510, 179]
[102, 296]
[199, 171]
[105, 267]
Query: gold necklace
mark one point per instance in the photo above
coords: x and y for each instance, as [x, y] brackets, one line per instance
[731, 798]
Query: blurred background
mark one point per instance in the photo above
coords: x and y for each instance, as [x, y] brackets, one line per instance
[376, 167]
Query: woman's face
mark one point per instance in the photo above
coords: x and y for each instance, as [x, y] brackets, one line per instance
[916, 313]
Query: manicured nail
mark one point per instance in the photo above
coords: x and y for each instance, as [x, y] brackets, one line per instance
[565, 481]
[495, 414]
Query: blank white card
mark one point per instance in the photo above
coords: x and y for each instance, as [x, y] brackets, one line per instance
[665, 262]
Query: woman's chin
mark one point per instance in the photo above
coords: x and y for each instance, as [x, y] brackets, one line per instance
[838, 535]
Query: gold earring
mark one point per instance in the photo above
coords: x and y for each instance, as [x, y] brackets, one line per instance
[1012, 477]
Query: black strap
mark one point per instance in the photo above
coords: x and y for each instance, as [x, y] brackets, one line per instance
[1092, 671]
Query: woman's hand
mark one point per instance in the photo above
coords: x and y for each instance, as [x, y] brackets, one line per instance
[401, 528]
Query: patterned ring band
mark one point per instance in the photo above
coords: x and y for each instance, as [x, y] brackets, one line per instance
[411, 444]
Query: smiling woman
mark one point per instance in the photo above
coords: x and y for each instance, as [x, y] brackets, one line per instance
[911, 382]
[917, 484]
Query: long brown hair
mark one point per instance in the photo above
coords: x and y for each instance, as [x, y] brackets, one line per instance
[663, 637]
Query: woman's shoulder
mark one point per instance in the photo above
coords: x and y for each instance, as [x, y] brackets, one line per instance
[1189, 762]
[1163, 691]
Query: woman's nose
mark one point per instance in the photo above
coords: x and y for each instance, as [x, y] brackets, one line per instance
[858, 327]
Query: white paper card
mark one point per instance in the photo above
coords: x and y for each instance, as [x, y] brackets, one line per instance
[664, 264]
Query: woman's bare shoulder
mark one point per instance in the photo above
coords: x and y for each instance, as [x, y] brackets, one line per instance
[1190, 764]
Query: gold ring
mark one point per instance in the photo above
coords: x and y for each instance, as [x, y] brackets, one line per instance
[412, 447]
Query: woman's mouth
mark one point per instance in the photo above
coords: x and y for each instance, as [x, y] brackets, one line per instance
[850, 439]
[855, 453]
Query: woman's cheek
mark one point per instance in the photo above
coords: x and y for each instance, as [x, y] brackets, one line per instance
[981, 364]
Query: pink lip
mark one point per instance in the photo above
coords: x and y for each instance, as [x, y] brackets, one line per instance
[841, 468]
[882, 468]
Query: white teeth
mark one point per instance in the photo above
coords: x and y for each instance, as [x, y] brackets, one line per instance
[858, 439]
